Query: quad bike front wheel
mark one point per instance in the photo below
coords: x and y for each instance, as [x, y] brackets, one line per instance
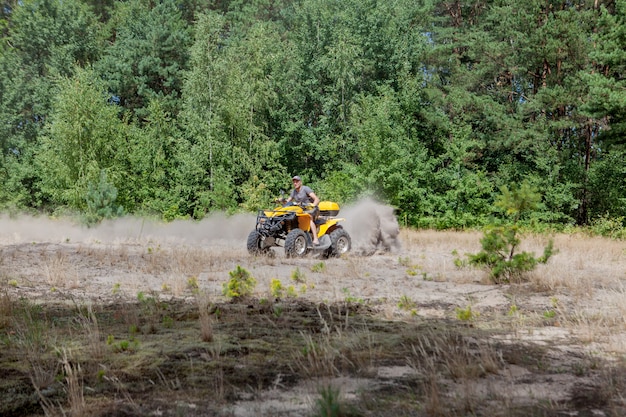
[295, 243]
[340, 242]
[255, 244]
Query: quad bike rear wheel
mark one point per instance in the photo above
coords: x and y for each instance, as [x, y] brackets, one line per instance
[340, 242]
[295, 243]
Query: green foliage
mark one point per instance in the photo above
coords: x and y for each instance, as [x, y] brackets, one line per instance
[291, 292]
[43, 41]
[192, 284]
[83, 137]
[240, 285]
[349, 298]
[606, 226]
[172, 213]
[500, 243]
[330, 404]
[458, 261]
[101, 201]
[258, 194]
[149, 55]
[151, 160]
[168, 322]
[498, 255]
[126, 346]
[466, 314]
[276, 288]
[319, 267]
[607, 187]
[277, 311]
[298, 275]
[517, 200]
[406, 303]
[194, 108]
[549, 314]
[232, 151]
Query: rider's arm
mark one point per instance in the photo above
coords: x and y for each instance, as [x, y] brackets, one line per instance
[315, 198]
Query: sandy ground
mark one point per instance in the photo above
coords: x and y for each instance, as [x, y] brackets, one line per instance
[575, 305]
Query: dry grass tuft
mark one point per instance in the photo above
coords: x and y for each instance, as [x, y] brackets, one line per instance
[431, 386]
[458, 356]
[439, 357]
[436, 251]
[32, 337]
[175, 282]
[206, 322]
[335, 351]
[617, 298]
[58, 270]
[582, 265]
[604, 392]
[6, 310]
[317, 357]
[593, 324]
[73, 386]
[89, 323]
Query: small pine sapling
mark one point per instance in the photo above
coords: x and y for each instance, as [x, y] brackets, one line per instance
[500, 243]
[240, 285]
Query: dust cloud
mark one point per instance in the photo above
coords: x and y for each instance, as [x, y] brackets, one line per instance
[215, 229]
[371, 225]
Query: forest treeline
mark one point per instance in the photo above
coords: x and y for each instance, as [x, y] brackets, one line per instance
[178, 108]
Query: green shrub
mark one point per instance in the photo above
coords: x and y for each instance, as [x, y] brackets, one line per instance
[330, 404]
[466, 314]
[100, 200]
[319, 267]
[276, 288]
[500, 242]
[298, 276]
[240, 285]
[406, 303]
[609, 227]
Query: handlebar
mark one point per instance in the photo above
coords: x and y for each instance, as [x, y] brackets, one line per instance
[284, 203]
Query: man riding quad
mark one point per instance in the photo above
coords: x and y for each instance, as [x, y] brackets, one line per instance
[304, 195]
[301, 224]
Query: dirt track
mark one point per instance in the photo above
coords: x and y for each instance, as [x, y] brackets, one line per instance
[130, 302]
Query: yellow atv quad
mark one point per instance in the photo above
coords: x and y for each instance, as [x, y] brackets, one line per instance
[288, 225]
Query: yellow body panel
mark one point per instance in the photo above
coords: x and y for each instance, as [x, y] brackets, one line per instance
[323, 228]
[282, 210]
[328, 208]
[304, 222]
